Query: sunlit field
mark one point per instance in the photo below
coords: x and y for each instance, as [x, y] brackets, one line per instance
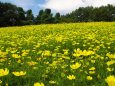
[80, 54]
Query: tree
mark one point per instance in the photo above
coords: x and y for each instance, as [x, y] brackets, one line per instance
[57, 18]
[45, 17]
[48, 11]
[21, 13]
[86, 14]
[29, 17]
[8, 14]
[38, 18]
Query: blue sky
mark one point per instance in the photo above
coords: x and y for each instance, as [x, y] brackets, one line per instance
[27, 4]
[62, 6]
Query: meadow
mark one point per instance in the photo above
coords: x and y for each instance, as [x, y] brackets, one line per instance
[75, 54]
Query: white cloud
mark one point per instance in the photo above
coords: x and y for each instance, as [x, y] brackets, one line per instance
[65, 6]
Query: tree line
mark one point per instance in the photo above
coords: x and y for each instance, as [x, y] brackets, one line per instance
[11, 15]
[91, 14]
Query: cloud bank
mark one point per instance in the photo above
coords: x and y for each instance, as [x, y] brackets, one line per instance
[66, 6]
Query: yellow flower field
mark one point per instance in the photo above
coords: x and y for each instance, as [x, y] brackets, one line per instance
[75, 54]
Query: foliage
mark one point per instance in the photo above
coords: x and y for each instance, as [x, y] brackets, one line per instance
[88, 14]
[45, 17]
[8, 14]
[57, 18]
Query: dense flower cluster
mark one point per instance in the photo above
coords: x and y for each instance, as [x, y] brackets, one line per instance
[21, 73]
[81, 54]
[110, 80]
[4, 72]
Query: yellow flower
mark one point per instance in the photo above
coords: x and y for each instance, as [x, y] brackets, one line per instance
[4, 72]
[16, 56]
[87, 53]
[92, 61]
[59, 38]
[110, 80]
[111, 56]
[35, 68]
[0, 81]
[92, 68]
[3, 54]
[91, 72]
[21, 73]
[89, 78]
[6, 84]
[2, 59]
[110, 62]
[24, 53]
[71, 77]
[31, 63]
[46, 53]
[77, 53]
[52, 82]
[110, 69]
[38, 84]
[75, 66]
[66, 51]
[19, 61]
